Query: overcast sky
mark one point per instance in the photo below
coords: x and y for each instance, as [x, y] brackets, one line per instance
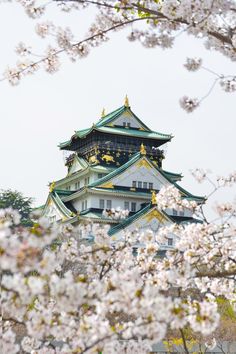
[46, 109]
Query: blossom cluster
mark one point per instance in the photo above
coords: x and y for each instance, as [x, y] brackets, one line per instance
[163, 22]
[73, 293]
[116, 214]
[170, 197]
[189, 104]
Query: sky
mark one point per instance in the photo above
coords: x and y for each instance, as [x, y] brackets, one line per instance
[45, 109]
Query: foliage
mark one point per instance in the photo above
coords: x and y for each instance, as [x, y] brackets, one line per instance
[16, 201]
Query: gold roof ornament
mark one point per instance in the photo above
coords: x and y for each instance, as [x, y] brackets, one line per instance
[142, 149]
[154, 198]
[52, 186]
[126, 103]
[103, 113]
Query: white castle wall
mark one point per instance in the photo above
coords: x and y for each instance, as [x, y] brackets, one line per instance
[117, 202]
[127, 118]
[142, 174]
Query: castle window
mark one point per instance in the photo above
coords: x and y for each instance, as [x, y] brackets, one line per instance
[170, 241]
[101, 175]
[133, 206]
[77, 185]
[86, 181]
[134, 184]
[128, 125]
[126, 205]
[175, 212]
[150, 185]
[124, 124]
[139, 184]
[53, 218]
[84, 205]
[101, 203]
[145, 185]
[108, 204]
[181, 213]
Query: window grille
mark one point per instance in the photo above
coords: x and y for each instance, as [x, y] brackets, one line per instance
[108, 204]
[133, 206]
[126, 205]
[150, 185]
[101, 203]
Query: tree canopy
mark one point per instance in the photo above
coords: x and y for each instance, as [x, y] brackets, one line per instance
[16, 200]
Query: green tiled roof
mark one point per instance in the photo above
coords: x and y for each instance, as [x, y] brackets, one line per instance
[135, 132]
[128, 221]
[116, 172]
[110, 117]
[101, 126]
[131, 219]
[124, 192]
[62, 192]
[125, 223]
[172, 175]
[119, 131]
[133, 160]
[97, 215]
[185, 220]
[59, 203]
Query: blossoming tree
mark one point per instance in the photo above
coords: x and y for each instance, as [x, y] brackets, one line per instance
[152, 22]
[63, 294]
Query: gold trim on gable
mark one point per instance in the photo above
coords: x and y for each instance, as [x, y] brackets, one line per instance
[127, 114]
[143, 163]
[155, 214]
[107, 185]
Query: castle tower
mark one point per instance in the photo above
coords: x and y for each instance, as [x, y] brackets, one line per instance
[116, 164]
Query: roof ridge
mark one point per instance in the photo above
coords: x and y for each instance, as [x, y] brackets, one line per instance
[60, 203]
[172, 173]
[133, 159]
[128, 220]
[188, 193]
[134, 217]
[106, 119]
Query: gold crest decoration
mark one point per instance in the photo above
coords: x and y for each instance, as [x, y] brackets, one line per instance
[142, 149]
[154, 198]
[52, 186]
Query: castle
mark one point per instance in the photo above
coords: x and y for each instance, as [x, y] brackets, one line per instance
[114, 171]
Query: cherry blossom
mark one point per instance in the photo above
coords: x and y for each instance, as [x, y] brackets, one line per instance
[189, 104]
[152, 23]
[73, 292]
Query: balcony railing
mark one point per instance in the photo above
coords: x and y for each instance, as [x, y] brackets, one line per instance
[130, 148]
